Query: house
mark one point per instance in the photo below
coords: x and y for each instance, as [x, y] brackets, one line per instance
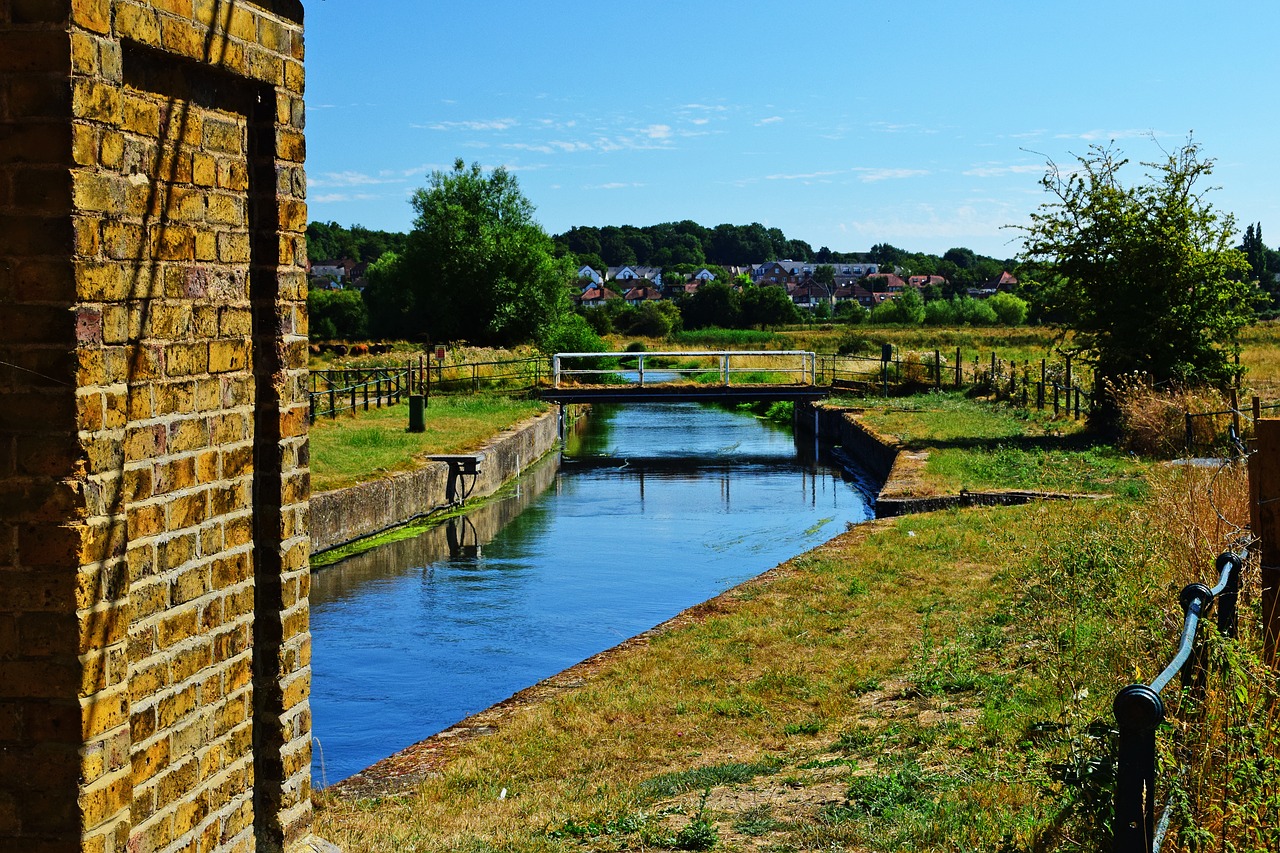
[777, 272]
[642, 293]
[704, 275]
[586, 272]
[1007, 281]
[920, 282]
[884, 282]
[597, 295]
[633, 273]
[338, 270]
[810, 293]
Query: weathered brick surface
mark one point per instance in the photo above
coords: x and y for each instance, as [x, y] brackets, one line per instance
[151, 626]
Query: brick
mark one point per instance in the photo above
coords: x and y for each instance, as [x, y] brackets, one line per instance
[93, 15]
[138, 23]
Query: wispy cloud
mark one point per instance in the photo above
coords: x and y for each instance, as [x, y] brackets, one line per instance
[333, 198]
[1107, 135]
[997, 171]
[869, 175]
[497, 124]
[806, 176]
[770, 120]
[353, 179]
[613, 185]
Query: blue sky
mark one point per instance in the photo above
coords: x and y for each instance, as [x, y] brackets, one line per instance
[918, 123]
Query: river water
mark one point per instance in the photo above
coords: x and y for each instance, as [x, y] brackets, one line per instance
[649, 510]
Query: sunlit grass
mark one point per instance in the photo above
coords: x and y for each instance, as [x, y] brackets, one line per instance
[370, 444]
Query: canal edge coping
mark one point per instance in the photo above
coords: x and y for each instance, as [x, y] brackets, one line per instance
[346, 516]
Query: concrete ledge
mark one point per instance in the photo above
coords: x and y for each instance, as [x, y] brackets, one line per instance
[897, 469]
[343, 516]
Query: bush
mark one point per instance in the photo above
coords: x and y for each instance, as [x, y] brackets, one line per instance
[1153, 422]
[939, 312]
[572, 334]
[1009, 309]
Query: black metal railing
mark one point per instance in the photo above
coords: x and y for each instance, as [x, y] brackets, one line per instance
[339, 390]
[1139, 710]
[348, 390]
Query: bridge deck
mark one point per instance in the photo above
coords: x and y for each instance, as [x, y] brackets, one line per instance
[671, 393]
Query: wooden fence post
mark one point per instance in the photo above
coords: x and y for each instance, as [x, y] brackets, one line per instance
[1264, 482]
[958, 368]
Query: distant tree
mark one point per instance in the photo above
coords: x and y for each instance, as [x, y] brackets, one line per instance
[389, 299]
[715, 304]
[1009, 309]
[825, 274]
[851, 312]
[961, 257]
[337, 314]
[478, 266]
[767, 306]
[911, 306]
[1144, 274]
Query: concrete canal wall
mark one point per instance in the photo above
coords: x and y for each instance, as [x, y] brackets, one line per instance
[896, 468]
[346, 515]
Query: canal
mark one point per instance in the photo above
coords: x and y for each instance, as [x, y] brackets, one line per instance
[649, 510]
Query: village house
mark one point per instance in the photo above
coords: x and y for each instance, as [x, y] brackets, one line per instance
[597, 295]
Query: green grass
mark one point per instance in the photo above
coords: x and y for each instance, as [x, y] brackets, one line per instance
[351, 449]
[976, 445]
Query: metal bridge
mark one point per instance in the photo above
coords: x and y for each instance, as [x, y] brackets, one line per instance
[683, 376]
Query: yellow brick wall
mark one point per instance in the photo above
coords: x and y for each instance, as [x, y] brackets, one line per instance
[152, 349]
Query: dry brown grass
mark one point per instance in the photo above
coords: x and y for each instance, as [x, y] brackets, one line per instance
[1153, 420]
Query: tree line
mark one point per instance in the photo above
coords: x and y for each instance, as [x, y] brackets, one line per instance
[1146, 274]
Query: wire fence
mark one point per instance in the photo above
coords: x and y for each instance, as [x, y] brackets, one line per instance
[1230, 429]
[1025, 383]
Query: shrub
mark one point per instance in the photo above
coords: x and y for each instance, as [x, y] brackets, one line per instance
[1009, 309]
[1153, 421]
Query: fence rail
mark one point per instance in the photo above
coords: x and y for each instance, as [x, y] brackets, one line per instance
[1139, 710]
[1230, 427]
[1003, 379]
[339, 390]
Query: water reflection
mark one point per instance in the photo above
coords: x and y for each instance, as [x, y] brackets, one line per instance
[650, 510]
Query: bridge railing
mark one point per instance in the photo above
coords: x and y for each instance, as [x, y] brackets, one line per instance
[701, 366]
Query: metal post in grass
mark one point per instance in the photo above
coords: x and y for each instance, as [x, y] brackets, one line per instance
[1266, 511]
[1191, 436]
[1235, 412]
[937, 370]
[333, 402]
[1070, 382]
[1044, 374]
[958, 368]
[1138, 711]
[1056, 387]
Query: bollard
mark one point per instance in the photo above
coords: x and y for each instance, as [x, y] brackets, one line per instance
[417, 413]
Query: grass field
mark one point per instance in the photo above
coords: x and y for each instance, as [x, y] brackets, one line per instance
[369, 444]
[931, 683]
[939, 682]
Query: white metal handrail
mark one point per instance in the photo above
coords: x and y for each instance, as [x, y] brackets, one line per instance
[806, 364]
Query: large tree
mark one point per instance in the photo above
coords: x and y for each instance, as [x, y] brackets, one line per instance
[1145, 274]
[477, 265]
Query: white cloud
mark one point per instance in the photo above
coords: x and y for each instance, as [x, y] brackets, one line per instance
[330, 198]
[995, 171]
[1108, 135]
[658, 131]
[805, 176]
[868, 175]
[614, 185]
[352, 179]
[769, 120]
[498, 124]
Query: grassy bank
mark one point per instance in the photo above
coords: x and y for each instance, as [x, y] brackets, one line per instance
[938, 682]
[351, 449]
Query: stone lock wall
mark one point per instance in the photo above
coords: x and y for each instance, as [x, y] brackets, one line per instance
[154, 645]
